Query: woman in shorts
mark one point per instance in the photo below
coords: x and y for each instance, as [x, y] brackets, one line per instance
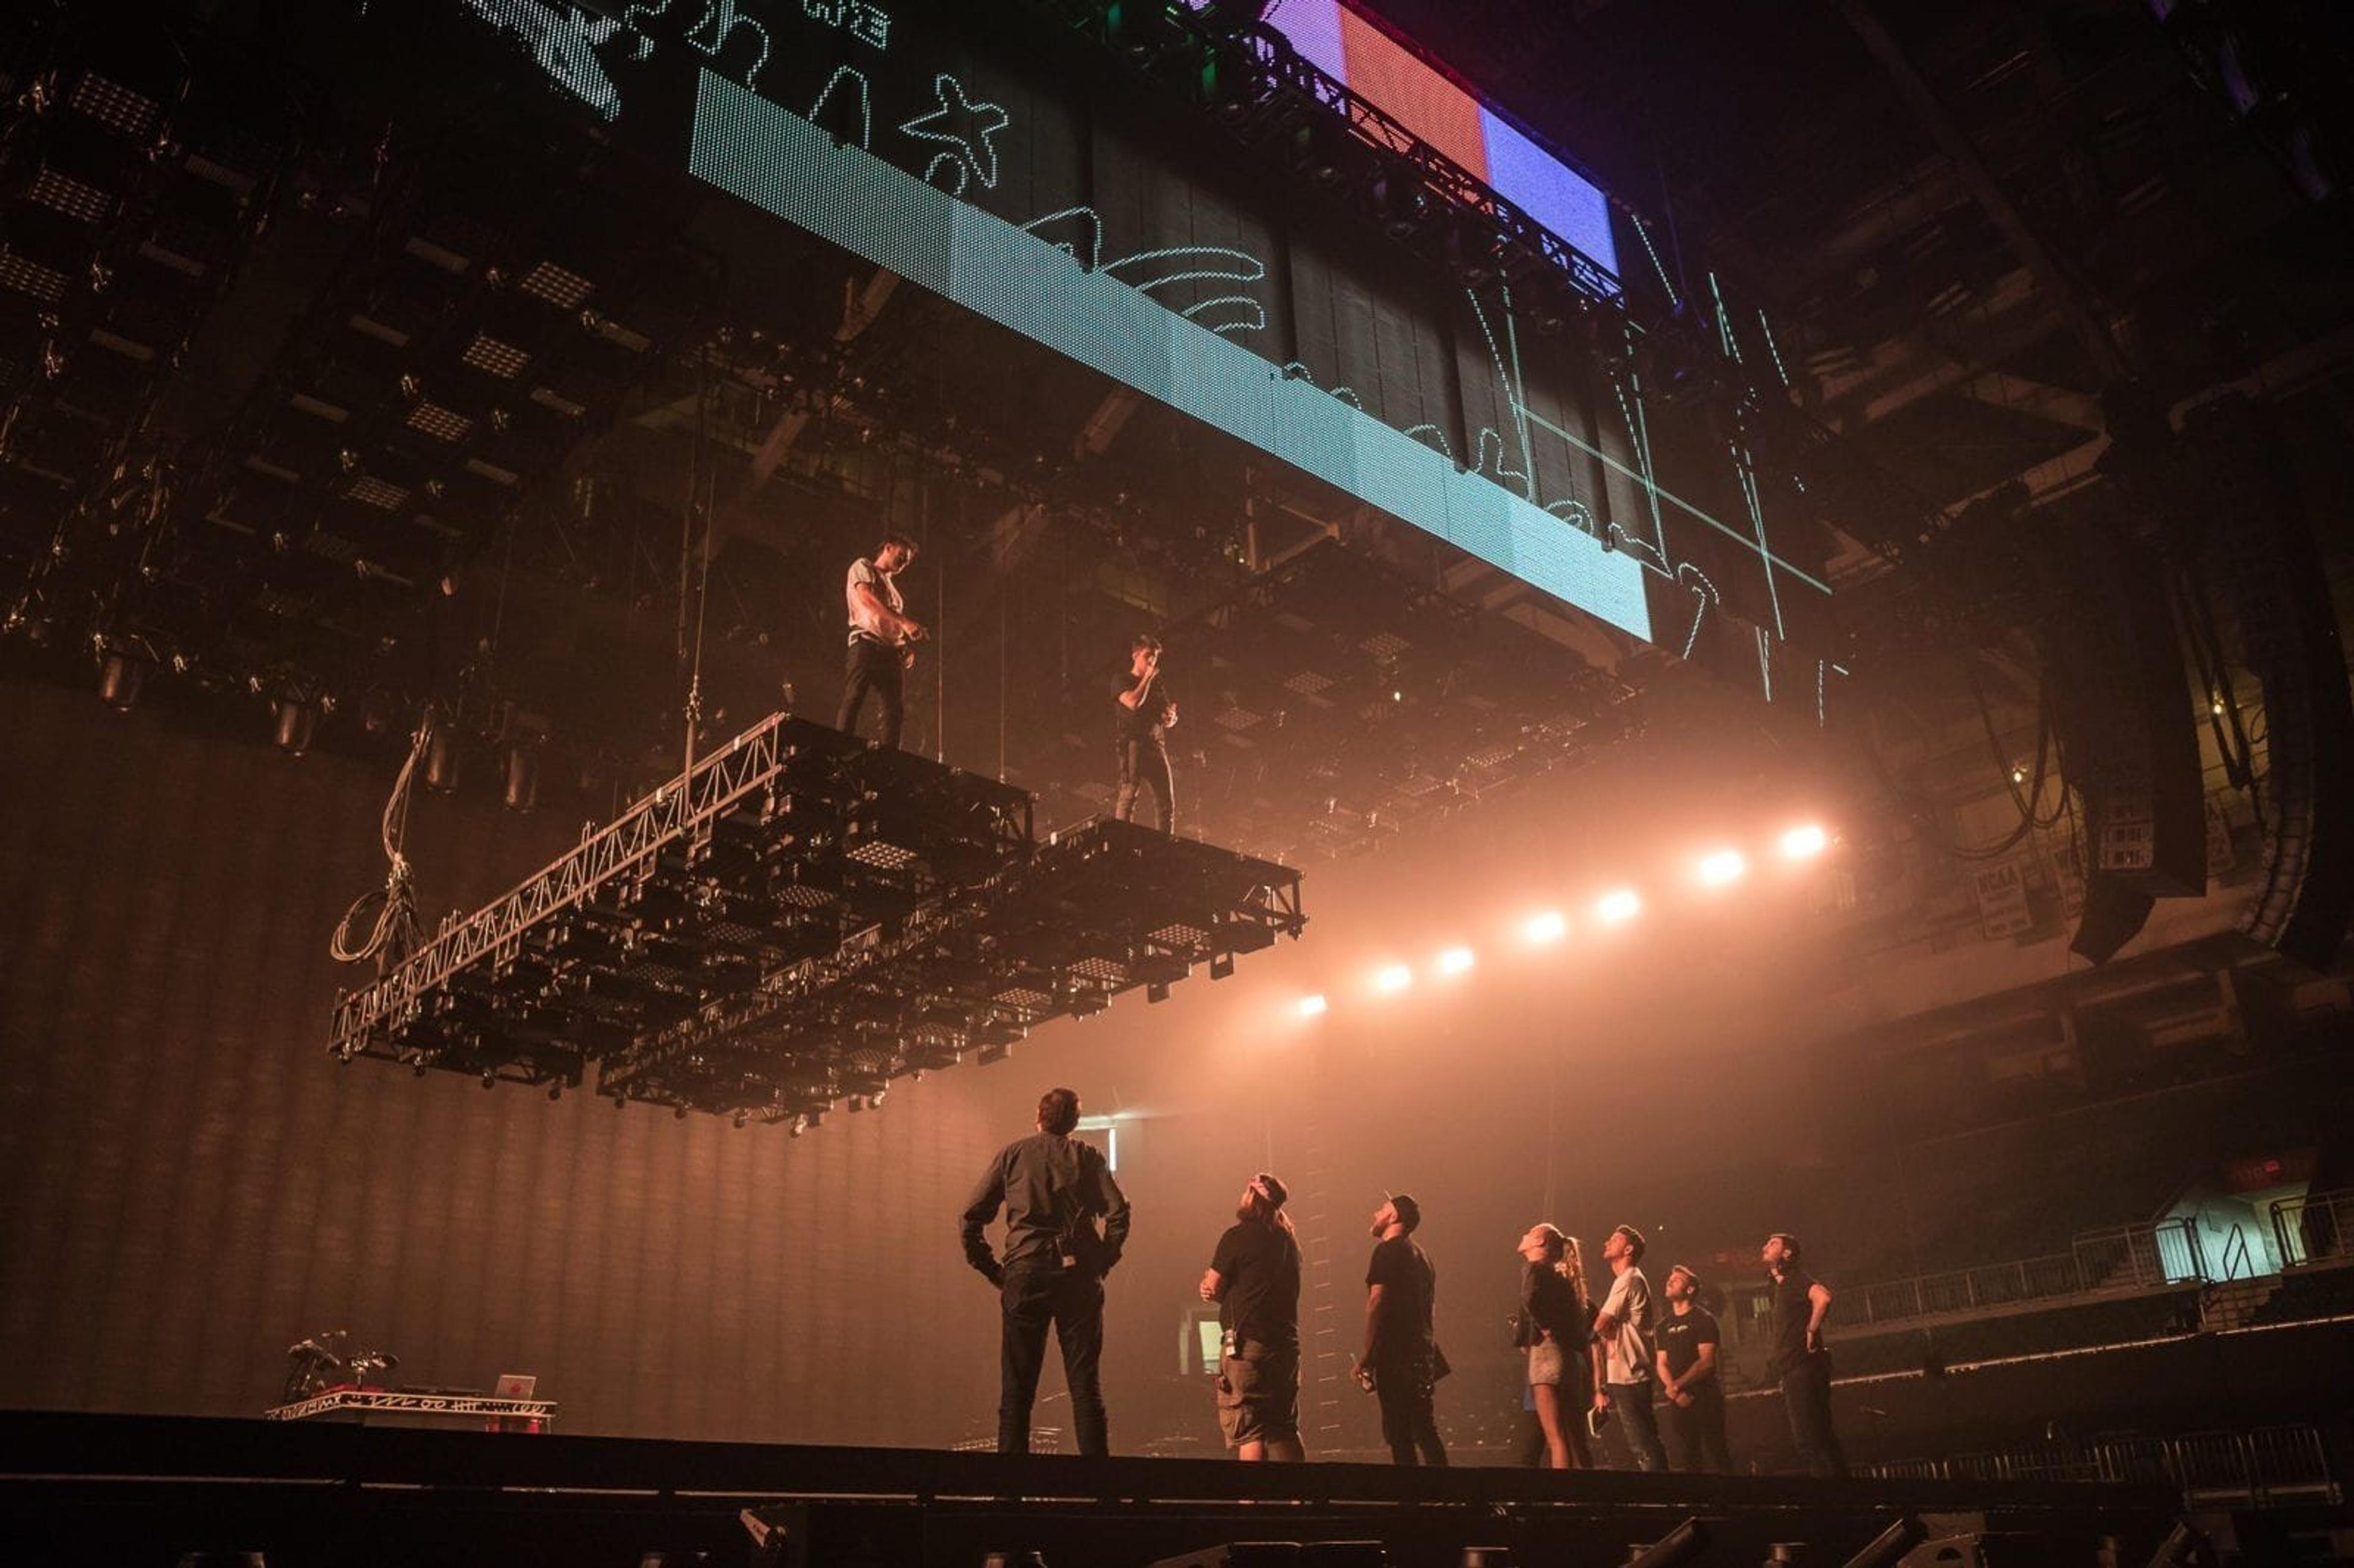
[1556, 1329]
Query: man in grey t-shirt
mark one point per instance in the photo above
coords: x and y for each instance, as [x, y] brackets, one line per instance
[1624, 1327]
[882, 637]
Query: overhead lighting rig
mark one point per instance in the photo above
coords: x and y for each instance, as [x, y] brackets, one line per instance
[734, 944]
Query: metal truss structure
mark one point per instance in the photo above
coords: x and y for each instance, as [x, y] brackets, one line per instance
[365, 1401]
[797, 919]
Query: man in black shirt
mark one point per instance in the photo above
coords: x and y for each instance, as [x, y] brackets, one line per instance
[1800, 1305]
[1143, 714]
[1401, 1362]
[1052, 1189]
[1688, 1380]
[1254, 1277]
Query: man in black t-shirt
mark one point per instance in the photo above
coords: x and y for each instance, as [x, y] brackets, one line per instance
[1401, 1361]
[1687, 1378]
[1800, 1304]
[1143, 714]
[1254, 1277]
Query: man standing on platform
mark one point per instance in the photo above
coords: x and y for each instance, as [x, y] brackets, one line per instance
[1401, 1362]
[1800, 1304]
[1054, 1190]
[1143, 715]
[882, 638]
[1688, 1380]
[1624, 1327]
[1254, 1277]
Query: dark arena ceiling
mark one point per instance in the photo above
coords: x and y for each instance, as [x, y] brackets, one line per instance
[348, 370]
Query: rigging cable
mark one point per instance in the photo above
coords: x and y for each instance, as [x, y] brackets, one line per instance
[393, 932]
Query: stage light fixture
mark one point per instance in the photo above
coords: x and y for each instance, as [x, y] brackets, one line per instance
[1395, 977]
[1891, 1545]
[2184, 1547]
[521, 793]
[1685, 1543]
[292, 722]
[1313, 1006]
[1456, 960]
[1221, 965]
[119, 678]
[1620, 905]
[1720, 866]
[1805, 841]
[1156, 992]
[442, 761]
[1548, 927]
[564, 289]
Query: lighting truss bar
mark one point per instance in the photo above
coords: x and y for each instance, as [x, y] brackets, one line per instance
[683, 807]
[1282, 68]
[1456, 185]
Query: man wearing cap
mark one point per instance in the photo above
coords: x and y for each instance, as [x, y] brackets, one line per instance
[1254, 1277]
[1401, 1362]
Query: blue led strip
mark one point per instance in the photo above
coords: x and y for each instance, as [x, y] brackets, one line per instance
[752, 148]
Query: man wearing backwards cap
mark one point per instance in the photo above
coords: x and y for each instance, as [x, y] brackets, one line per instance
[1401, 1361]
[1254, 1277]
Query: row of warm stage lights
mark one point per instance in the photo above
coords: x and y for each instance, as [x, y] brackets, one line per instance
[1717, 868]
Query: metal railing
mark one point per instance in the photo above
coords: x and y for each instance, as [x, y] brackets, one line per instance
[2267, 1467]
[2121, 1258]
[2315, 1226]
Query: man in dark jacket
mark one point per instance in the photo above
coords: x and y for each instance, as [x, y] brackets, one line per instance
[1054, 1190]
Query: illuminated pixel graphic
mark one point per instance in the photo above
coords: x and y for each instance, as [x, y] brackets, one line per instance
[892, 184]
[1351, 50]
[780, 162]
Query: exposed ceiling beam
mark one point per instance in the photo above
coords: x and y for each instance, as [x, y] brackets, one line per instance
[2065, 290]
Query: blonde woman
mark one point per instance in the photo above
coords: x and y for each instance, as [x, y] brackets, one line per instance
[1556, 1320]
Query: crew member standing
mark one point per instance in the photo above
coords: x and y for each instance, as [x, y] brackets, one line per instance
[1624, 1325]
[1254, 1277]
[1687, 1378]
[1801, 1302]
[1053, 1188]
[882, 638]
[1401, 1363]
[1141, 723]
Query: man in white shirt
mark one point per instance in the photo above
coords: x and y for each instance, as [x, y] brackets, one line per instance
[1624, 1327]
[882, 637]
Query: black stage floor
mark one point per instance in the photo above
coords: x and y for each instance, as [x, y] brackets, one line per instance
[131, 1490]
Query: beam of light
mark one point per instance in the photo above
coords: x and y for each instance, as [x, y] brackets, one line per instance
[1624, 904]
[1455, 961]
[1395, 978]
[1549, 927]
[1720, 866]
[1805, 842]
[1313, 1006]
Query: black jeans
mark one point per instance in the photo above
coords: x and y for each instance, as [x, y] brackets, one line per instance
[1696, 1433]
[873, 667]
[1144, 764]
[1409, 1419]
[1034, 1296]
[1807, 1391]
[1631, 1407]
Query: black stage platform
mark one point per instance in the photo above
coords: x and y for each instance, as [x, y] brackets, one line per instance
[131, 1490]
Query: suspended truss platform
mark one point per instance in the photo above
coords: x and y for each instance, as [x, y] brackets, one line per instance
[797, 920]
